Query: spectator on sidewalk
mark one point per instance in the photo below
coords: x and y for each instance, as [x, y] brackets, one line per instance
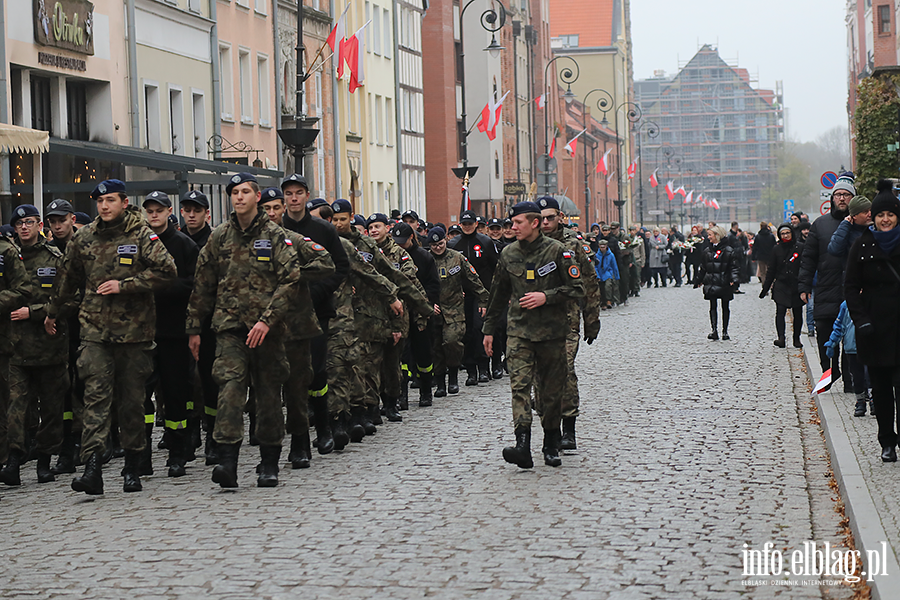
[844, 331]
[608, 274]
[763, 246]
[781, 278]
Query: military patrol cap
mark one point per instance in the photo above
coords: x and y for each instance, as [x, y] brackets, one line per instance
[270, 194]
[467, 216]
[548, 202]
[295, 178]
[83, 218]
[455, 229]
[377, 218]
[316, 203]
[60, 208]
[507, 222]
[238, 179]
[160, 198]
[495, 222]
[523, 208]
[22, 211]
[409, 213]
[197, 197]
[480, 220]
[401, 232]
[603, 242]
[436, 234]
[615, 224]
[342, 206]
[108, 186]
[359, 220]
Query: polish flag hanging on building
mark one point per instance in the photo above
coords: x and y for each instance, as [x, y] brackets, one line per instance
[603, 165]
[355, 54]
[553, 143]
[669, 191]
[609, 178]
[631, 169]
[689, 198]
[337, 43]
[681, 191]
[573, 143]
[490, 116]
[653, 180]
[824, 382]
[541, 101]
[714, 203]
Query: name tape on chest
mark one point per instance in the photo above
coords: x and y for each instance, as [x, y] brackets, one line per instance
[547, 269]
[263, 250]
[455, 270]
[126, 253]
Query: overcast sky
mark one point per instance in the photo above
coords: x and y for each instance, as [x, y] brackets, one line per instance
[800, 42]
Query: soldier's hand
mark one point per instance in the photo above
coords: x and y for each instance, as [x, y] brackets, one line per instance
[257, 334]
[533, 300]
[482, 311]
[108, 287]
[396, 335]
[437, 309]
[20, 314]
[397, 307]
[194, 345]
[50, 326]
[489, 345]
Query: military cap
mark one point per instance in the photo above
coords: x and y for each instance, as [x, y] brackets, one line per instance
[548, 202]
[495, 222]
[108, 186]
[408, 213]
[238, 179]
[603, 242]
[316, 203]
[455, 229]
[270, 194]
[295, 178]
[377, 218]
[22, 211]
[7, 231]
[197, 197]
[524, 208]
[467, 216]
[160, 198]
[615, 224]
[480, 220]
[342, 206]
[83, 218]
[60, 208]
[173, 220]
[401, 232]
[395, 213]
[359, 220]
[507, 222]
[436, 234]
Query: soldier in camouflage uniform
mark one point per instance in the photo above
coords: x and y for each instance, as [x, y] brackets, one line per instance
[538, 278]
[118, 261]
[301, 326]
[638, 258]
[246, 277]
[588, 308]
[38, 377]
[458, 279]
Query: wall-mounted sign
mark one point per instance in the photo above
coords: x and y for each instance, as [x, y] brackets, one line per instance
[62, 62]
[67, 24]
[514, 188]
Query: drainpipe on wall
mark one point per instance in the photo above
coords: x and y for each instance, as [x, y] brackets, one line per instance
[132, 77]
[216, 74]
[4, 98]
[336, 123]
[277, 60]
[402, 202]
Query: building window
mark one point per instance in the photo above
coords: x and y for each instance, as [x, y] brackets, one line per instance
[388, 121]
[262, 84]
[884, 19]
[246, 84]
[199, 121]
[176, 122]
[387, 34]
[376, 30]
[194, 6]
[151, 117]
[460, 140]
[377, 111]
[457, 46]
[260, 6]
[318, 81]
[76, 107]
[41, 115]
[496, 165]
[226, 84]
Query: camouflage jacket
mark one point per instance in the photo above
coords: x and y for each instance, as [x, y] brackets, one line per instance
[244, 277]
[458, 278]
[315, 263]
[402, 261]
[366, 287]
[15, 289]
[625, 254]
[589, 306]
[32, 346]
[543, 265]
[125, 250]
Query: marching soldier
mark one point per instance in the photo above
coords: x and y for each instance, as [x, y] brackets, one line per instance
[536, 277]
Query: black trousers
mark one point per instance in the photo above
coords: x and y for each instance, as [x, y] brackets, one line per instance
[885, 381]
[171, 380]
[418, 350]
[714, 316]
[796, 313]
[473, 341]
[204, 371]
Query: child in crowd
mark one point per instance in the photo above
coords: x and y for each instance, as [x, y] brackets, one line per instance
[845, 330]
[607, 273]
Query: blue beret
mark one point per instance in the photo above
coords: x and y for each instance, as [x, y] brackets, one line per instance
[197, 197]
[341, 206]
[524, 208]
[22, 211]
[160, 198]
[238, 180]
[359, 220]
[269, 194]
[295, 178]
[548, 202]
[436, 234]
[377, 218]
[109, 186]
[83, 218]
[316, 203]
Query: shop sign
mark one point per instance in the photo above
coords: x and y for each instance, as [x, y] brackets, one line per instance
[66, 24]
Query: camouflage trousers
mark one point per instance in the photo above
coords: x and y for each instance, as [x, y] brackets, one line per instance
[114, 374]
[570, 399]
[448, 346]
[538, 365]
[380, 370]
[235, 369]
[44, 388]
[295, 390]
[4, 406]
[344, 365]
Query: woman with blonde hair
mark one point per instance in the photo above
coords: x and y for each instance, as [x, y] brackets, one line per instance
[719, 274]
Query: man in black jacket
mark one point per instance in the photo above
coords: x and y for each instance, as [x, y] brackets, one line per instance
[763, 246]
[740, 245]
[827, 268]
[482, 254]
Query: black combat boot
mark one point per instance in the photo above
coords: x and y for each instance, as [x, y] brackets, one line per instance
[66, 461]
[366, 419]
[356, 431]
[471, 376]
[324, 440]
[180, 442]
[44, 473]
[91, 481]
[339, 431]
[484, 371]
[551, 448]
[496, 366]
[193, 441]
[403, 401]
[145, 467]
[453, 380]
[10, 473]
[520, 454]
[225, 473]
[300, 454]
[725, 336]
[254, 441]
[376, 414]
[567, 442]
[212, 448]
[425, 389]
[115, 447]
[268, 472]
[441, 390]
[390, 409]
[133, 459]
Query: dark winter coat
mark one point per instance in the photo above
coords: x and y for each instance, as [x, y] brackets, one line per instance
[830, 269]
[872, 291]
[172, 300]
[843, 237]
[781, 277]
[719, 271]
[763, 246]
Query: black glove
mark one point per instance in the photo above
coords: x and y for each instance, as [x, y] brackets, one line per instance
[762, 294]
[589, 339]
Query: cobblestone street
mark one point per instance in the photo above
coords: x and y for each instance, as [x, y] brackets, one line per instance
[688, 449]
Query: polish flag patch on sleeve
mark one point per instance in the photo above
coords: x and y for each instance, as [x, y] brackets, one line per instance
[567, 254]
[154, 237]
[288, 242]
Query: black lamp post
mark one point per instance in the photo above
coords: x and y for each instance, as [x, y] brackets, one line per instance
[652, 132]
[633, 113]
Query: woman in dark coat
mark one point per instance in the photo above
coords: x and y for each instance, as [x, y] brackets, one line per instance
[872, 292]
[782, 271]
[719, 273]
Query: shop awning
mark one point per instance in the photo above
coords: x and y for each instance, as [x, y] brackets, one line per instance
[23, 140]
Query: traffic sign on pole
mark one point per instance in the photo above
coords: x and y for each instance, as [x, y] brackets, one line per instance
[788, 205]
[829, 178]
[825, 208]
[787, 215]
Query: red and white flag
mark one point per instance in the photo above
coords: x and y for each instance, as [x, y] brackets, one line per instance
[681, 191]
[689, 198]
[714, 203]
[553, 143]
[355, 53]
[653, 180]
[337, 43]
[541, 101]
[490, 116]
[670, 192]
[573, 143]
[631, 169]
[611, 175]
[699, 199]
[603, 165]
[824, 382]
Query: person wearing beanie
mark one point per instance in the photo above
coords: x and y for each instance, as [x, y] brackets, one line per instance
[781, 278]
[827, 269]
[853, 225]
[871, 289]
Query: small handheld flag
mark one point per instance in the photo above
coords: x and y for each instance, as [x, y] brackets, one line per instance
[824, 382]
